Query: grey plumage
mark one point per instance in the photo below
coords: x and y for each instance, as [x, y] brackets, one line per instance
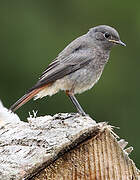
[77, 68]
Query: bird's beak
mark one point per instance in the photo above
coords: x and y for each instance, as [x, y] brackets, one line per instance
[117, 42]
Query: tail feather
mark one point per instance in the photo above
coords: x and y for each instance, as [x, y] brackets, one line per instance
[25, 99]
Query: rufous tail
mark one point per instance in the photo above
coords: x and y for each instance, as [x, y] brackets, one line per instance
[24, 99]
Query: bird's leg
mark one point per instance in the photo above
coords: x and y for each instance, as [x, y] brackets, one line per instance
[75, 102]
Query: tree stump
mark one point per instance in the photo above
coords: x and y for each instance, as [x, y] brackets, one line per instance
[64, 146]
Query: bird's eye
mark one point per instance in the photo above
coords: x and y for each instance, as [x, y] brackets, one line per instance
[107, 35]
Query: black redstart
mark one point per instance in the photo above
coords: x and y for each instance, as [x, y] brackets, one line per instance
[77, 68]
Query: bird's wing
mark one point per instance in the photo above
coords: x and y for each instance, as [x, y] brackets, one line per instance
[62, 67]
[75, 56]
[74, 46]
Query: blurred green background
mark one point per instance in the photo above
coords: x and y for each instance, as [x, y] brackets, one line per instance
[32, 33]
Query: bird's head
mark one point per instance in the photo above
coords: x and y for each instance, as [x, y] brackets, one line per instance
[105, 36]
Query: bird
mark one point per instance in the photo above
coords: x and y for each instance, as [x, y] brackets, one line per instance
[77, 68]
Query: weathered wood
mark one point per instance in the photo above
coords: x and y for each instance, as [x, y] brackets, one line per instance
[25, 148]
[60, 147]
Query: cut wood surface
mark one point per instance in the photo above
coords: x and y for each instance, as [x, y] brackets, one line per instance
[98, 158]
[30, 149]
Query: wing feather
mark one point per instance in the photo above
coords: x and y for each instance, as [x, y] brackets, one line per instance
[61, 69]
